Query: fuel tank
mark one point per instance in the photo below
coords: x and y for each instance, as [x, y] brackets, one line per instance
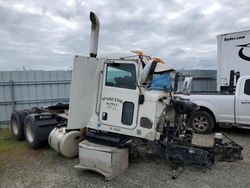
[65, 143]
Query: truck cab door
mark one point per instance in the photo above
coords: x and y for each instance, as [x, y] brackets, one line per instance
[243, 102]
[119, 95]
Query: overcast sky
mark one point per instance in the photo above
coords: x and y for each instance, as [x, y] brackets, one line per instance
[46, 34]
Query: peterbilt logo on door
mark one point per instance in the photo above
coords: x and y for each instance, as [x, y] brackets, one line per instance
[241, 54]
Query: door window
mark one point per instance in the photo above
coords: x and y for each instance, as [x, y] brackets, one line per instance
[127, 113]
[247, 87]
[121, 75]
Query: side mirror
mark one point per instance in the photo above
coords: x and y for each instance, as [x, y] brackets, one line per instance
[187, 85]
[148, 70]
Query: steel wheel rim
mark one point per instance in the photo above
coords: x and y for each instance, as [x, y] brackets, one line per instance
[29, 131]
[200, 123]
[14, 127]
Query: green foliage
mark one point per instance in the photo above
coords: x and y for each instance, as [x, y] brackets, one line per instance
[9, 143]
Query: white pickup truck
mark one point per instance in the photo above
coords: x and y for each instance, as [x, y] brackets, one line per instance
[224, 109]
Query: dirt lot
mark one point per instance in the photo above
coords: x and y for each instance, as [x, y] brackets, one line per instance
[23, 167]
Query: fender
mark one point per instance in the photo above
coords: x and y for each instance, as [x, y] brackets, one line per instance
[207, 105]
[201, 103]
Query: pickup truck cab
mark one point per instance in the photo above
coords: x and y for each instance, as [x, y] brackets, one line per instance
[226, 110]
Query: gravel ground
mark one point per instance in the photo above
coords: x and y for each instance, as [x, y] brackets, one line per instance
[23, 167]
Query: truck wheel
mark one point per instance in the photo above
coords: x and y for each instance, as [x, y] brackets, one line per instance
[202, 122]
[31, 134]
[17, 124]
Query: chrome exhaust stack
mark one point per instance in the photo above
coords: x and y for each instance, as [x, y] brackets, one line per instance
[94, 34]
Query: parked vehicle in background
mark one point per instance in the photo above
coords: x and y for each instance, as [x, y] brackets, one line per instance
[225, 109]
[233, 53]
[230, 105]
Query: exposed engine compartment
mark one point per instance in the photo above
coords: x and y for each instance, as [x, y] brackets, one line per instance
[175, 141]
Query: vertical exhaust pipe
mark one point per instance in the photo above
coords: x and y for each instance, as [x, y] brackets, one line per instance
[94, 34]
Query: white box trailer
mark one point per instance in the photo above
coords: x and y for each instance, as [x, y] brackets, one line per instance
[233, 54]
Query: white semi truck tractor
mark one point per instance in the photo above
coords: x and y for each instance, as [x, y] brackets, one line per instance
[114, 112]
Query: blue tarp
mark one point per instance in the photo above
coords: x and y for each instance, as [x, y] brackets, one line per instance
[162, 82]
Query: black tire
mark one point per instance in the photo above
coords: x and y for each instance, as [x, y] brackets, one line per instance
[201, 122]
[31, 133]
[17, 124]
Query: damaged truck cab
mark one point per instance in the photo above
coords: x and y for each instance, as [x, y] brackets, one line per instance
[109, 97]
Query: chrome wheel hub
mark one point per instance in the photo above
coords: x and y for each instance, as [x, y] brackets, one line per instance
[14, 127]
[200, 122]
[29, 131]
